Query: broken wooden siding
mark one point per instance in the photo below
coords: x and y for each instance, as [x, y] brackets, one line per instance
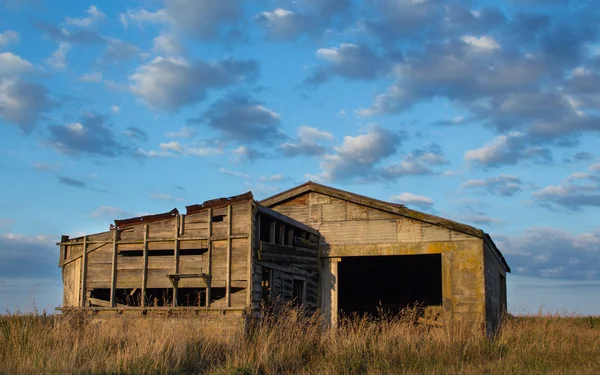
[211, 258]
[169, 254]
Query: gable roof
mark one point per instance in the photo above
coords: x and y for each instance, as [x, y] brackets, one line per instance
[394, 208]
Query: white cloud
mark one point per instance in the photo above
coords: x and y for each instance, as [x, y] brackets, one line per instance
[245, 153]
[173, 149]
[167, 44]
[357, 156]
[307, 142]
[11, 64]
[94, 77]
[506, 149]
[172, 82]
[484, 43]
[142, 16]
[504, 185]
[22, 103]
[8, 37]
[172, 146]
[308, 134]
[58, 59]
[115, 109]
[185, 132]
[94, 16]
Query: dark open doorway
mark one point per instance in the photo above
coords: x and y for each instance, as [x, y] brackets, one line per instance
[391, 283]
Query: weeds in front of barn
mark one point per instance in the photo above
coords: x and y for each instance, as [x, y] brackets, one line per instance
[286, 343]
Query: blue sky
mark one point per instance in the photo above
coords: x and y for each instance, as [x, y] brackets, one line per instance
[483, 112]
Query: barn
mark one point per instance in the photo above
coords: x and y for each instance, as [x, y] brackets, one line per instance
[313, 245]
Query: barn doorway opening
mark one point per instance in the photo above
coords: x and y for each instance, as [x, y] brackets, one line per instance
[370, 285]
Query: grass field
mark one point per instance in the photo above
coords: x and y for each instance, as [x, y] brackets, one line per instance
[537, 344]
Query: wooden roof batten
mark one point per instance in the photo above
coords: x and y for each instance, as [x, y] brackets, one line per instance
[394, 208]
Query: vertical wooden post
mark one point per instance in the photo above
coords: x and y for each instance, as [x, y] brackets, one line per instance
[334, 290]
[209, 245]
[447, 297]
[272, 234]
[178, 219]
[113, 280]
[251, 234]
[281, 234]
[228, 280]
[83, 273]
[145, 274]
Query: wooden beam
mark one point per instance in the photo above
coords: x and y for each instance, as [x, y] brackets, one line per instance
[145, 269]
[209, 245]
[228, 278]
[290, 269]
[399, 248]
[303, 242]
[178, 219]
[269, 212]
[266, 247]
[113, 279]
[83, 273]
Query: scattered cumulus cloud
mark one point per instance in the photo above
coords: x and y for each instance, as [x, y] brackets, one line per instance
[484, 43]
[307, 142]
[241, 117]
[90, 136]
[94, 16]
[13, 65]
[167, 84]
[356, 157]
[507, 150]
[553, 253]
[578, 191]
[308, 18]
[23, 103]
[349, 61]
[58, 59]
[503, 185]
[9, 37]
[245, 153]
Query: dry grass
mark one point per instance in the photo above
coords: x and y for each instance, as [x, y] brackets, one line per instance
[549, 344]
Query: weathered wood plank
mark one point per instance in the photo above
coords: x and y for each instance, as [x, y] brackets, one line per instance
[145, 270]
[228, 287]
[266, 247]
[113, 279]
[210, 256]
[84, 269]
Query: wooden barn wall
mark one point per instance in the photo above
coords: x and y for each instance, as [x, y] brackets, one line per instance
[290, 257]
[350, 229]
[172, 235]
[344, 225]
[495, 288]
